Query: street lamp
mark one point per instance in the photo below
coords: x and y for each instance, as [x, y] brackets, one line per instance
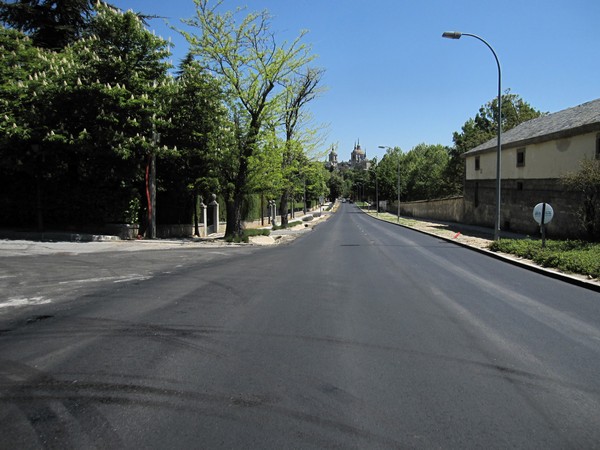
[457, 35]
[376, 193]
[397, 179]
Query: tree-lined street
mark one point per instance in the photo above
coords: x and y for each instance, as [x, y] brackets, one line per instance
[360, 334]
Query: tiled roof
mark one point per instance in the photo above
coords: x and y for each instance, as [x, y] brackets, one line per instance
[568, 122]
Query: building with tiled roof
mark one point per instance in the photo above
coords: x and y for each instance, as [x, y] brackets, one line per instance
[535, 156]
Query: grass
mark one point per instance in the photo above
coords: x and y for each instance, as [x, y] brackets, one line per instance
[289, 225]
[569, 256]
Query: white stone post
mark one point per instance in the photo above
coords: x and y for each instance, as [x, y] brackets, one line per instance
[215, 214]
[203, 207]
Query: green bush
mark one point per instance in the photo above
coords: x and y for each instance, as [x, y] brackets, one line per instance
[569, 256]
[251, 209]
[257, 232]
[246, 234]
[289, 225]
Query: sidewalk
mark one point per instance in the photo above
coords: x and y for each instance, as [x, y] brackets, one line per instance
[478, 236]
[479, 239]
[22, 243]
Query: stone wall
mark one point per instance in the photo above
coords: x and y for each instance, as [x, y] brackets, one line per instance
[478, 207]
[448, 209]
[518, 199]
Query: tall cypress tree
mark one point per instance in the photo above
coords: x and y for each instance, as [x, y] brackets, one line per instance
[51, 24]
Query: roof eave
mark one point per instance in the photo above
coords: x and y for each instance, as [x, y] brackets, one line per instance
[562, 134]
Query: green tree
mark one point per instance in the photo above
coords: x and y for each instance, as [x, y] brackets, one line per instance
[422, 172]
[118, 105]
[197, 117]
[51, 24]
[81, 119]
[388, 171]
[298, 93]
[26, 104]
[587, 183]
[315, 175]
[250, 63]
[335, 183]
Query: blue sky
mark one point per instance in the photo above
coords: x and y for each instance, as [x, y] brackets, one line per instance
[393, 80]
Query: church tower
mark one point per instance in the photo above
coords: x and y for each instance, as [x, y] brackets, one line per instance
[333, 161]
[358, 157]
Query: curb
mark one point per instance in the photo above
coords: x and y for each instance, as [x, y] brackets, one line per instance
[56, 236]
[515, 262]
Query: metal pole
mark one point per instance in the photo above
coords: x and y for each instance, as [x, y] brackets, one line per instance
[543, 225]
[305, 195]
[376, 193]
[152, 186]
[457, 35]
[398, 218]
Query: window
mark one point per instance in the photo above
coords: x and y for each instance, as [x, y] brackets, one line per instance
[519, 185]
[598, 146]
[477, 164]
[520, 157]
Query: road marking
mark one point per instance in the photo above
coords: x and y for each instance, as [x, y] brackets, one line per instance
[133, 278]
[23, 301]
[7, 276]
[117, 279]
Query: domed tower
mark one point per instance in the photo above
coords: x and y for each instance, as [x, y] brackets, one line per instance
[358, 155]
[333, 161]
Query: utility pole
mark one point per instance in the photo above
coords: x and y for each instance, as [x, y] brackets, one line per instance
[304, 194]
[398, 189]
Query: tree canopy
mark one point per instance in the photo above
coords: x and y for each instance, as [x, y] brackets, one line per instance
[243, 53]
[586, 181]
[51, 24]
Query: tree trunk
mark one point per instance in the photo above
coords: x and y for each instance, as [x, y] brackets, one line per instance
[151, 196]
[196, 219]
[39, 203]
[234, 217]
[283, 206]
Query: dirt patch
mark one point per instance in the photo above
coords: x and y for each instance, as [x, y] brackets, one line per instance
[261, 240]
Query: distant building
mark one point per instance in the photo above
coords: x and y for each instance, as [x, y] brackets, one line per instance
[358, 160]
[332, 163]
[535, 156]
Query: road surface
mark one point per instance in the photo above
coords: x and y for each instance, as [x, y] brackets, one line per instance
[359, 334]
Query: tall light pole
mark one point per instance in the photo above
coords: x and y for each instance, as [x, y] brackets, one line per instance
[457, 35]
[397, 180]
[376, 193]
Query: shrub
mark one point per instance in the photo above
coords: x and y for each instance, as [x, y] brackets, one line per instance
[289, 225]
[587, 182]
[257, 232]
[245, 237]
[569, 256]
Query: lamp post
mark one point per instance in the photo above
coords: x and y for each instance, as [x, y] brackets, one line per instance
[376, 193]
[397, 180]
[457, 35]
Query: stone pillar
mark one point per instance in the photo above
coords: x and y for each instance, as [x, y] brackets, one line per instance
[204, 231]
[273, 211]
[214, 215]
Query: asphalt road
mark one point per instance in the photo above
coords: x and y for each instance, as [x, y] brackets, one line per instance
[359, 334]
